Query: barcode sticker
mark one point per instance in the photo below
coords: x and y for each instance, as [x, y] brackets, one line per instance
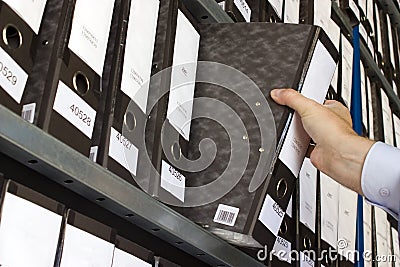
[271, 215]
[28, 112]
[226, 215]
[93, 153]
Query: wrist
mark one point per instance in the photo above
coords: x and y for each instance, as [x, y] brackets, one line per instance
[351, 156]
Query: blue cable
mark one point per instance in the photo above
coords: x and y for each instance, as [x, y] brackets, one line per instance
[356, 115]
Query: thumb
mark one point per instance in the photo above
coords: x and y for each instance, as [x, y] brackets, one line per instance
[294, 100]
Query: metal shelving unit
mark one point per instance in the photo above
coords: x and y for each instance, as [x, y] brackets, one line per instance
[371, 67]
[41, 153]
[208, 11]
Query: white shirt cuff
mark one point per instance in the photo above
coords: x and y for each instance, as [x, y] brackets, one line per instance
[380, 178]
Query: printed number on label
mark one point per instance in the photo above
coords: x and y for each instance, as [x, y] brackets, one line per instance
[278, 210]
[6, 72]
[124, 141]
[175, 173]
[82, 116]
[283, 242]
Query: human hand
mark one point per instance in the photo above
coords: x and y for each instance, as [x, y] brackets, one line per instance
[339, 151]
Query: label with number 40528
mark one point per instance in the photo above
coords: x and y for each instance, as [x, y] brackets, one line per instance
[74, 109]
[12, 77]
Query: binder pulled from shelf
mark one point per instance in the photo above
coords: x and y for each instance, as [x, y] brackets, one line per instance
[239, 201]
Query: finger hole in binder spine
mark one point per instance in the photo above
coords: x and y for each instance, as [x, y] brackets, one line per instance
[284, 228]
[12, 37]
[176, 151]
[307, 243]
[281, 188]
[130, 121]
[81, 83]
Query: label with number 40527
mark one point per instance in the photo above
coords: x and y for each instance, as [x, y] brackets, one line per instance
[12, 77]
[74, 109]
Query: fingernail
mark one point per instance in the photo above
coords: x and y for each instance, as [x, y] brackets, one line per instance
[276, 92]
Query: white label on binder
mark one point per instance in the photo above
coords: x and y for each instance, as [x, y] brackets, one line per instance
[90, 30]
[184, 66]
[308, 194]
[28, 112]
[123, 151]
[367, 231]
[12, 77]
[28, 233]
[347, 222]
[364, 103]
[396, 249]
[370, 111]
[74, 109]
[334, 33]
[282, 249]
[271, 215]
[381, 225]
[226, 215]
[277, 5]
[387, 119]
[397, 129]
[322, 13]
[292, 11]
[173, 181]
[124, 259]
[244, 9]
[84, 249]
[353, 6]
[305, 260]
[347, 70]
[329, 210]
[371, 46]
[370, 14]
[378, 30]
[388, 235]
[139, 50]
[316, 84]
[363, 5]
[363, 33]
[390, 39]
[335, 80]
[30, 11]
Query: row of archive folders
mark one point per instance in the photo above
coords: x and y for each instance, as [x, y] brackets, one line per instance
[377, 31]
[98, 98]
[319, 227]
[38, 231]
